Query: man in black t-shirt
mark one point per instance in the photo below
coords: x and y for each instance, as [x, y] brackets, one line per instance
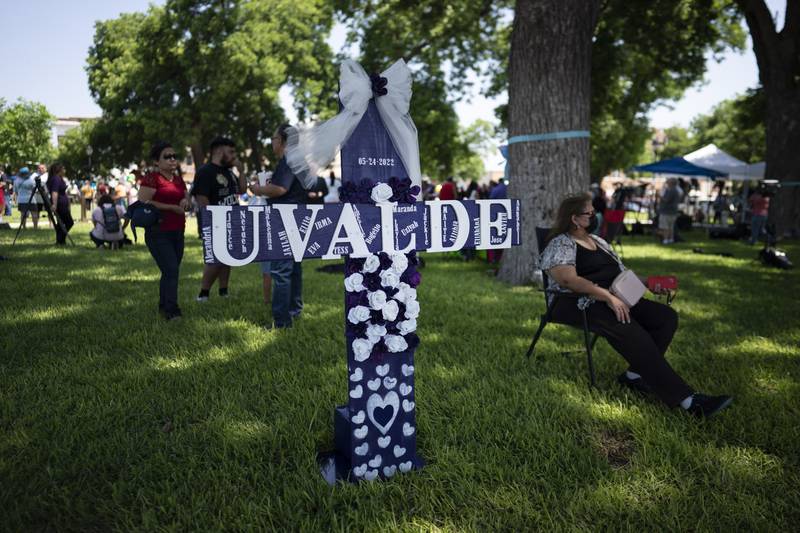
[287, 275]
[215, 184]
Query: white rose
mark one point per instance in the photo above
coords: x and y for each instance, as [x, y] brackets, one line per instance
[362, 349]
[399, 263]
[396, 343]
[358, 314]
[372, 264]
[412, 309]
[409, 294]
[354, 283]
[381, 193]
[401, 292]
[375, 333]
[389, 278]
[390, 310]
[407, 326]
[377, 300]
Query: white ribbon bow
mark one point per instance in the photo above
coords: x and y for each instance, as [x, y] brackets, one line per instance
[311, 148]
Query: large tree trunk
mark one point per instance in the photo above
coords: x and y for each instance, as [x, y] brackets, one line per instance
[778, 57]
[198, 154]
[549, 91]
[783, 160]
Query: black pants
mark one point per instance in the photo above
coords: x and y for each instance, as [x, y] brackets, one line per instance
[65, 216]
[166, 247]
[642, 343]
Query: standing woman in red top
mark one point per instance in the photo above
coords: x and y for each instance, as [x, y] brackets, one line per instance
[165, 190]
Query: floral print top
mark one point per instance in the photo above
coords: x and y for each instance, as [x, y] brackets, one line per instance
[562, 250]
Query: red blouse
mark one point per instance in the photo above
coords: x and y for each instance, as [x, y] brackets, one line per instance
[167, 192]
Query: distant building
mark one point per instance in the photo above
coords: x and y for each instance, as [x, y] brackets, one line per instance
[62, 125]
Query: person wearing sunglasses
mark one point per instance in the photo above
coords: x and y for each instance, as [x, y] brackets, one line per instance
[165, 190]
[577, 261]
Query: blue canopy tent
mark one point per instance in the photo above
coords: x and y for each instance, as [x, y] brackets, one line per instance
[680, 166]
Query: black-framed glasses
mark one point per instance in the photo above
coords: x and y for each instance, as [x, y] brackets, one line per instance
[172, 157]
[590, 213]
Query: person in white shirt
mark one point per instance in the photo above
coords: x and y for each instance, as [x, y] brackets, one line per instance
[263, 178]
[101, 232]
[28, 202]
[333, 189]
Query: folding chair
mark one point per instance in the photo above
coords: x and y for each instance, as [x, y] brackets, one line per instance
[613, 219]
[589, 340]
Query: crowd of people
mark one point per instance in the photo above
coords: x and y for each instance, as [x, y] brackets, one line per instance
[672, 207]
[104, 201]
[17, 191]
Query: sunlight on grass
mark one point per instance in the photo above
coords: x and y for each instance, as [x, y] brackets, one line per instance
[117, 420]
[60, 312]
[744, 463]
[759, 346]
[245, 430]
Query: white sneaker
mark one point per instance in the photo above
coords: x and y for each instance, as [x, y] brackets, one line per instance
[202, 298]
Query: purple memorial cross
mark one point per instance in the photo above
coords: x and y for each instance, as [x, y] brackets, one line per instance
[378, 228]
[376, 431]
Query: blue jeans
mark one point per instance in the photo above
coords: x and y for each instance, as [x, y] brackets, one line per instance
[166, 247]
[287, 291]
[757, 224]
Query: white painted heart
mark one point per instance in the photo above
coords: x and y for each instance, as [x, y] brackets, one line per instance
[389, 471]
[399, 451]
[383, 442]
[408, 429]
[357, 375]
[363, 449]
[405, 467]
[361, 432]
[408, 406]
[360, 470]
[376, 402]
[376, 461]
[405, 390]
[374, 384]
[371, 475]
[382, 370]
[407, 370]
[359, 418]
[357, 392]
[389, 382]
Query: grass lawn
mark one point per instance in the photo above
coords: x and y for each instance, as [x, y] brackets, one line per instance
[111, 419]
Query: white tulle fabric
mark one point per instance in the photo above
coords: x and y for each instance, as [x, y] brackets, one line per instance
[311, 148]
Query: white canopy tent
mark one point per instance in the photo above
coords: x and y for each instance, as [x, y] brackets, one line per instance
[712, 157]
[753, 171]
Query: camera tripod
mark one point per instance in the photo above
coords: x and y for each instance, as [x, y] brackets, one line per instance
[48, 207]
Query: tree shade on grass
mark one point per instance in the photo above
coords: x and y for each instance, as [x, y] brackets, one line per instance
[114, 419]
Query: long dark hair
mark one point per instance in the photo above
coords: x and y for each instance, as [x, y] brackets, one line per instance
[55, 169]
[570, 206]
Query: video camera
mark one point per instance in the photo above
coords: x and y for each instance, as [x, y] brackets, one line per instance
[769, 188]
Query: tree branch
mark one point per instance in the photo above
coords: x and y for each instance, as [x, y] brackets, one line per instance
[791, 25]
[762, 30]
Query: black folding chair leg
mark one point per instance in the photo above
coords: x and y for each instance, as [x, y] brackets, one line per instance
[594, 340]
[588, 348]
[542, 324]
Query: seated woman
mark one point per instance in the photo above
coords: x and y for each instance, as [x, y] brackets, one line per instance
[577, 261]
[108, 223]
